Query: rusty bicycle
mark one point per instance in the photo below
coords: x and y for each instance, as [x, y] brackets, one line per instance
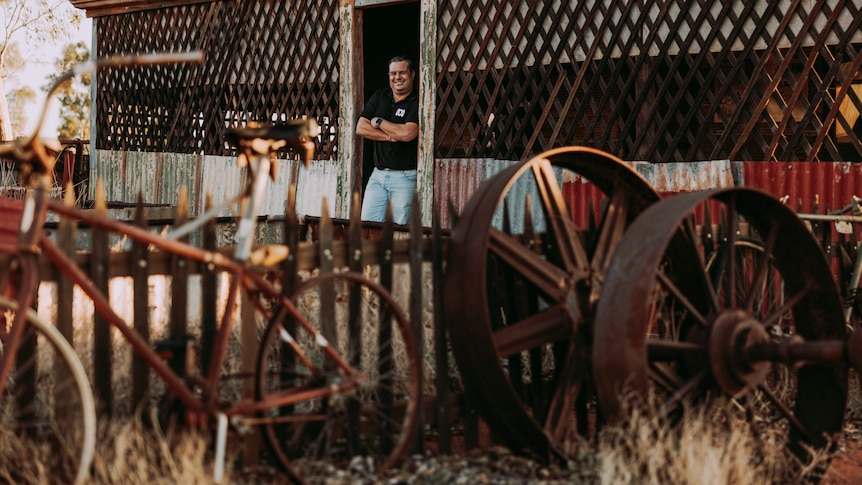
[321, 390]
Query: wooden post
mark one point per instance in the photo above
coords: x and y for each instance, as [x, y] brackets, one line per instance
[209, 292]
[67, 236]
[354, 262]
[416, 325]
[291, 240]
[140, 269]
[179, 277]
[101, 328]
[327, 265]
[441, 349]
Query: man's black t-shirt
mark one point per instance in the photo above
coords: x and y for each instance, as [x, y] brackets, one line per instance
[395, 155]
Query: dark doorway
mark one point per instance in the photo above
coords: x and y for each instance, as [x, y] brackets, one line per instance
[388, 31]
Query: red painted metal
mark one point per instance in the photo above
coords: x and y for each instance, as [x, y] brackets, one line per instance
[806, 186]
[829, 184]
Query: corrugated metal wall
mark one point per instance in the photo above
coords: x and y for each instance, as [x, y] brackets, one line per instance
[831, 184]
[158, 177]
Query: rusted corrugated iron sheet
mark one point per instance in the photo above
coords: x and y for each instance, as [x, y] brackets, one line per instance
[831, 183]
[159, 177]
[670, 178]
[318, 181]
[456, 179]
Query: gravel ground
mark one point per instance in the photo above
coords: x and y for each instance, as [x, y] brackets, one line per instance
[494, 465]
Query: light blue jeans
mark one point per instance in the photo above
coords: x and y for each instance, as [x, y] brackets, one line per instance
[385, 185]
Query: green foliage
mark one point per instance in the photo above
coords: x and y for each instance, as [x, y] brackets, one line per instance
[40, 21]
[18, 101]
[74, 95]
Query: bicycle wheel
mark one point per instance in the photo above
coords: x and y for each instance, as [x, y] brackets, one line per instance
[376, 418]
[47, 403]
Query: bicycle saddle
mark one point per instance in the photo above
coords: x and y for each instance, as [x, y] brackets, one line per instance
[298, 133]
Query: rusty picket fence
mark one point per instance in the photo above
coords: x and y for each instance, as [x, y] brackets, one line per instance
[322, 243]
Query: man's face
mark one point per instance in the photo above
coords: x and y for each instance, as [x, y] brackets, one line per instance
[400, 78]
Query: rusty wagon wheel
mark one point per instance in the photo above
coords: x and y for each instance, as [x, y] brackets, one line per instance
[377, 418]
[675, 330]
[520, 291]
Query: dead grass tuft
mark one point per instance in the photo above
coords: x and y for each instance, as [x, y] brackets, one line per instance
[712, 444]
[130, 452]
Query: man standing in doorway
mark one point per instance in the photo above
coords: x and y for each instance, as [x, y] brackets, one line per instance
[390, 120]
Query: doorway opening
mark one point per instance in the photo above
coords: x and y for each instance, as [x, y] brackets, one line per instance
[388, 31]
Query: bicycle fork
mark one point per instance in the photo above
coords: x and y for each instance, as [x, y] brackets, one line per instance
[12, 341]
[32, 218]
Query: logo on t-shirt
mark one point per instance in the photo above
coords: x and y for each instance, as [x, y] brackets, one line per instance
[400, 112]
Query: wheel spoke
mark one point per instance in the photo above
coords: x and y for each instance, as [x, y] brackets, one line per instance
[788, 305]
[613, 224]
[547, 277]
[674, 400]
[730, 294]
[679, 296]
[663, 377]
[611, 231]
[784, 411]
[550, 325]
[763, 265]
[660, 350]
[573, 257]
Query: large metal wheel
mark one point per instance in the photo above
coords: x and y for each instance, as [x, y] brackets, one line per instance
[521, 285]
[762, 324]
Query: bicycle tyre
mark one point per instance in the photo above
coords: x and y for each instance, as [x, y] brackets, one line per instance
[59, 416]
[378, 419]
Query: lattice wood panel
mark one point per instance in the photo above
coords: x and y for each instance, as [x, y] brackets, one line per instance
[664, 80]
[265, 61]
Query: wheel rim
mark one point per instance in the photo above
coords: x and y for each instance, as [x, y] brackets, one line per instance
[657, 281]
[47, 400]
[378, 419]
[517, 298]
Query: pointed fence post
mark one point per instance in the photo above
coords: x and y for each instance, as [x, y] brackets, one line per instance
[384, 331]
[101, 328]
[209, 292]
[354, 257]
[139, 260]
[67, 236]
[327, 265]
[417, 328]
[441, 348]
[179, 280]
[291, 240]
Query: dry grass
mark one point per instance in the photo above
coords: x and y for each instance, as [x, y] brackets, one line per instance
[706, 447]
[711, 445]
[126, 452]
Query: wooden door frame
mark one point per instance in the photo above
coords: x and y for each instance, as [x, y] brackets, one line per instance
[352, 87]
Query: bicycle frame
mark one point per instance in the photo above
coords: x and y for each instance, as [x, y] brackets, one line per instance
[31, 236]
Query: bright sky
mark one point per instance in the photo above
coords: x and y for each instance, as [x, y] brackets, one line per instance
[39, 65]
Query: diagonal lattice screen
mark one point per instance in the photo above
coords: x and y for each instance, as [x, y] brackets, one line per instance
[660, 81]
[265, 61]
